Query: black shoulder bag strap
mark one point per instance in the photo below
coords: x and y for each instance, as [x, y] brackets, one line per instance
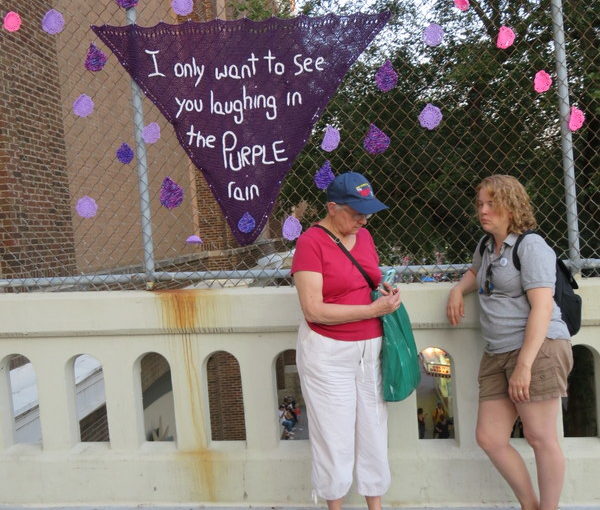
[348, 254]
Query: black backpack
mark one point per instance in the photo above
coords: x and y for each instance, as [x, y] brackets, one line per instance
[566, 299]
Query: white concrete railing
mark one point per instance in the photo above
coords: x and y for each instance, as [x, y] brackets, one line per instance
[255, 325]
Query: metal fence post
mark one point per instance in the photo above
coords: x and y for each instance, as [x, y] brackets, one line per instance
[566, 138]
[142, 168]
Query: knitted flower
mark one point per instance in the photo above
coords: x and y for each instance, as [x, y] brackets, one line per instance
[376, 141]
[463, 5]
[292, 228]
[86, 207]
[194, 239]
[12, 21]
[506, 37]
[182, 7]
[246, 224]
[53, 22]
[151, 133]
[576, 118]
[83, 106]
[331, 139]
[171, 194]
[125, 154]
[430, 117]
[95, 58]
[324, 176]
[433, 35]
[127, 4]
[542, 81]
[386, 77]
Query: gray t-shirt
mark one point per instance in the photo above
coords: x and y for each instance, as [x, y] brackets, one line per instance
[505, 311]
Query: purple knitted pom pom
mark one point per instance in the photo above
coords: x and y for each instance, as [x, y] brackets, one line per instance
[386, 77]
[127, 4]
[83, 106]
[324, 176]
[376, 141]
[86, 207]
[125, 154]
[433, 35]
[194, 239]
[430, 117]
[171, 194]
[246, 223]
[292, 228]
[182, 7]
[95, 58]
[151, 133]
[53, 22]
[331, 139]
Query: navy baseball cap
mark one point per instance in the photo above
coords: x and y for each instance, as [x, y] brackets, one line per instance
[352, 189]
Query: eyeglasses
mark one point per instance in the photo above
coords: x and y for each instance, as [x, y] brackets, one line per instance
[488, 285]
[356, 216]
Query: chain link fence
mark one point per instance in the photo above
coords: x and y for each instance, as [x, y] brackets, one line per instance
[493, 122]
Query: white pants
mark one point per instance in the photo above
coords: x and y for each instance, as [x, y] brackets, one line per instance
[347, 417]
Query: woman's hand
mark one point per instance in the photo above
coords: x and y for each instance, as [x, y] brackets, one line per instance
[388, 302]
[455, 309]
[518, 384]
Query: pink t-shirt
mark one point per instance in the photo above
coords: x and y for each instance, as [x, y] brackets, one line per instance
[342, 281]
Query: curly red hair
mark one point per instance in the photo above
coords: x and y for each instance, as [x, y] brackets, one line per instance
[509, 194]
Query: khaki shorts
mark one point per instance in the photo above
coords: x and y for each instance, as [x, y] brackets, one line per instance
[549, 372]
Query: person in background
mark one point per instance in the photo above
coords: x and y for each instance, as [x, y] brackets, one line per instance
[339, 343]
[528, 356]
[421, 422]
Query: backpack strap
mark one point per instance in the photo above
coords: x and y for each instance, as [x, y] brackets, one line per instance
[515, 254]
[482, 242]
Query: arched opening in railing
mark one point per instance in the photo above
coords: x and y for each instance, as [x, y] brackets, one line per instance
[90, 399]
[23, 399]
[157, 396]
[291, 407]
[435, 395]
[225, 398]
[580, 408]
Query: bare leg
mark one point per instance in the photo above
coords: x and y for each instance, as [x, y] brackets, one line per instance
[373, 502]
[495, 421]
[539, 425]
[334, 504]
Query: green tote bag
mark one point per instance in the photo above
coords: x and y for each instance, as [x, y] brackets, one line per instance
[399, 357]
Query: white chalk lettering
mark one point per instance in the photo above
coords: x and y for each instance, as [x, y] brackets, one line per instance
[238, 72]
[189, 70]
[293, 98]
[274, 67]
[235, 158]
[189, 105]
[306, 65]
[237, 107]
[199, 140]
[156, 71]
[243, 194]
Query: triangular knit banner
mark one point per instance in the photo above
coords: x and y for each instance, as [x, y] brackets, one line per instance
[243, 96]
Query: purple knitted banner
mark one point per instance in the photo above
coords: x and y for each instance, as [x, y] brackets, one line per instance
[243, 96]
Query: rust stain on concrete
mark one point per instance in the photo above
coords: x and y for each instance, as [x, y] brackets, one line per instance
[180, 316]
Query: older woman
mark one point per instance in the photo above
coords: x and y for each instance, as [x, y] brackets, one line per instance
[339, 344]
[528, 354]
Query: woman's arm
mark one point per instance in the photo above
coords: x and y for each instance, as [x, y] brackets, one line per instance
[541, 302]
[309, 285]
[455, 309]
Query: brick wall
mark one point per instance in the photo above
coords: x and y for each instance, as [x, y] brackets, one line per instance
[226, 402]
[36, 235]
[154, 366]
[94, 427]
